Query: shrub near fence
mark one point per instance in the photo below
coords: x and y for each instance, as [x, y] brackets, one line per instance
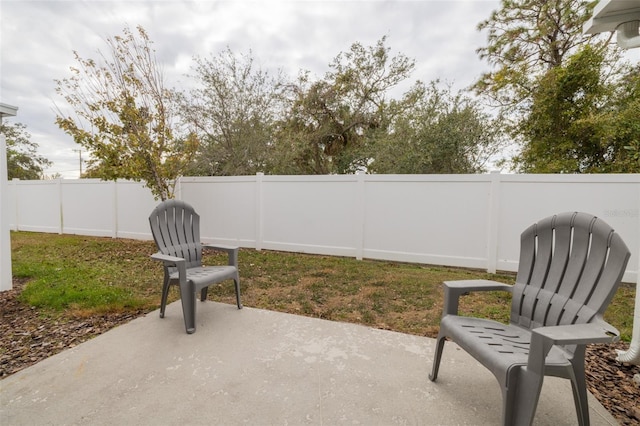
[454, 220]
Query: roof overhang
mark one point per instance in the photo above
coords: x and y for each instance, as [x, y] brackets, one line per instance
[8, 110]
[622, 16]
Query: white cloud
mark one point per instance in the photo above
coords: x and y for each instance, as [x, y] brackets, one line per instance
[38, 38]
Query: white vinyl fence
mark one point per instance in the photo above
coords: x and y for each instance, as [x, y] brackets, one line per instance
[470, 221]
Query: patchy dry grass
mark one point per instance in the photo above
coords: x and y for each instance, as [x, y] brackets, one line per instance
[79, 275]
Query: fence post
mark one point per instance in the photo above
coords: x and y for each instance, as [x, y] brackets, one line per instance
[178, 189]
[114, 222]
[16, 200]
[493, 225]
[61, 204]
[359, 215]
[259, 200]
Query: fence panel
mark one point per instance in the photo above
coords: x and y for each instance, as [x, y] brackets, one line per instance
[310, 214]
[427, 219]
[527, 198]
[227, 208]
[134, 203]
[88, 207]
[37, 206]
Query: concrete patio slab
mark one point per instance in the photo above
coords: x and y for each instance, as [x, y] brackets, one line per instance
[259, 367]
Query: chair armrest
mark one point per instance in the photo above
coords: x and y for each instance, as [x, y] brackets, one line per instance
[167, 259]
[579, 334]
[231, 251]
[544, 338]
[175, 261]
[454, 289]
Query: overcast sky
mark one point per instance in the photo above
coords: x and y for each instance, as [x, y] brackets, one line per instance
[38, 39]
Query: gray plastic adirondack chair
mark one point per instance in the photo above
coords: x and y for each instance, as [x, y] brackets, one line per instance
[176, 230]
[570, 267]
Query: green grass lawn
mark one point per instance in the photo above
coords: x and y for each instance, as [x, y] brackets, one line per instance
[79, 275]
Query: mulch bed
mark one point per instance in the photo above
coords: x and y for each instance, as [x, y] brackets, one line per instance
[28, 336]
[616, 385]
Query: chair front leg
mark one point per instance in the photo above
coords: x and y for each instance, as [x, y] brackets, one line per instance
[188, 299]
[165, 293]
[437, 356]
[525, 391]
[236, 281]
[579, 385]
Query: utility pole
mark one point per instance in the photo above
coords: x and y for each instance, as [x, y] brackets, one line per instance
[79, 151]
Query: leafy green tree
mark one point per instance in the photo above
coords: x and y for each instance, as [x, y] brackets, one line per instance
[621, 123]
[23, 161]
[580, 123]
[330, 121]
[442, 133]
[125, 116]
[233, 112]
[558, 91]
[560, 137]
[526, 38]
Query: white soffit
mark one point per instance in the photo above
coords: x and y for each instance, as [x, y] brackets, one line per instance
[7, 110]
[609, 14]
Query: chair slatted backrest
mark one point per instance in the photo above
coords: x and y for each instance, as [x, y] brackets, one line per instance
[176, 230]
[570, 267]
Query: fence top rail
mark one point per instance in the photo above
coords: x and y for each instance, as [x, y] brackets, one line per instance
[572, 178]
[504, 177]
